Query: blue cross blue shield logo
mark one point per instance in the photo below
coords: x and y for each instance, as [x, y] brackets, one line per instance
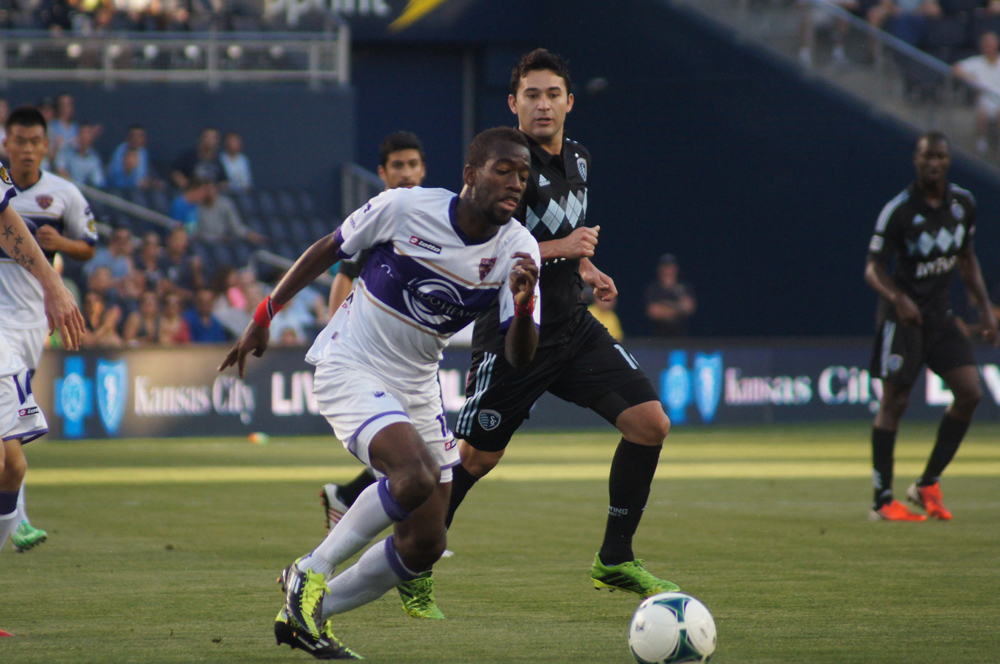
[74, 400]
[675, 387]
[708, 384]
[112, 393]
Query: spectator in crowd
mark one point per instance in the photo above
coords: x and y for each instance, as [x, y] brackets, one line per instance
[219, 221]
[63, 129]
[604, 312]
[236, 163]
[101, 282]
[173, 328]
[101, 322]
[78, 161]
[290, 338]
[814, 17]
[904, 19]
[669, 303]
[142, 327]
[205, 328]
[48, 111]
[117, 257]
[184, 207]
[181, 269]
[201, 162]
[149, 261]
[984, 71]
[4, 112]
[129, 165]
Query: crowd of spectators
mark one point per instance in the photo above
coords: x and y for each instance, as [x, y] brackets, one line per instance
[90, 16]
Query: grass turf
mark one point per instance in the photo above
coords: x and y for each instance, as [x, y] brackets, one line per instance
[172, 570]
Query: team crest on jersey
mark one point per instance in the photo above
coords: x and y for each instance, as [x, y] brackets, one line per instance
[44, 201]
[5, 177]
[489, 419]
[957, 211]
[581, 165]
[485, 266]
[112, 393]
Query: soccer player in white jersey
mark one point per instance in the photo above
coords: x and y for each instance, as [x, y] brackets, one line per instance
[21, 421]
[437, 260]
[59, 218]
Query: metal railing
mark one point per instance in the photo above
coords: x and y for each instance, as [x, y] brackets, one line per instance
[212, 58]
[357, 187]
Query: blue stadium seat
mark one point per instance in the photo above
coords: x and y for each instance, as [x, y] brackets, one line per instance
[285, 249]
[241, 253]
[321, 227]
[307, 204]
[299, 231]
[276, 229]
[287, 204]
[222, 255]
[982, 23]
[958, 6]
[160, 201]
[266, 203]
[256, 225]
[245, 204]
[945, 37]
[138, 196]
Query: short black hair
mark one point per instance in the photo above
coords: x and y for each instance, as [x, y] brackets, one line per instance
[539, 60]
[483, 146]
[400, 140]
[933, 136]
[26, 116]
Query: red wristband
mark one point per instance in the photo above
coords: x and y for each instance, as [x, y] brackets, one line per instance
[266, 311]
[527, 310]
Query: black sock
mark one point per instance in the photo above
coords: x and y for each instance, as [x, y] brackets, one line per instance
[949, 437]
[883, 446]
[462, 481]
[350, 492]
[632, 472]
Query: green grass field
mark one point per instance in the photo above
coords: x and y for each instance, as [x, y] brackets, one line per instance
[167, 551]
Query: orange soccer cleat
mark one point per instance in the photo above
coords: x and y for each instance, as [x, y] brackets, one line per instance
[930, 499]
[895, 511]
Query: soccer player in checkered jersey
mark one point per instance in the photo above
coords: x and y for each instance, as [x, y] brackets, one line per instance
[21, 421]
[928, 231]
[60, 220]
[437, 261]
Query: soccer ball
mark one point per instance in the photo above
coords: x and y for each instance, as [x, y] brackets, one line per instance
[670, 628]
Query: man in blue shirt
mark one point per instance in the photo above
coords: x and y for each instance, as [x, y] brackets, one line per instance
[136, 175]
[205, 327]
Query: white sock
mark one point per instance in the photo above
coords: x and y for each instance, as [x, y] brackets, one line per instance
[8, 519]
[376, 573]
[372, 512]
[21, 512]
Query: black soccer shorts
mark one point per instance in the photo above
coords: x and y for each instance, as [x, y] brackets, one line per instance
[900, 352]
[588, 368]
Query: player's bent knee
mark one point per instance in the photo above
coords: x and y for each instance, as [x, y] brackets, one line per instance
[413, 485]
[421, 548]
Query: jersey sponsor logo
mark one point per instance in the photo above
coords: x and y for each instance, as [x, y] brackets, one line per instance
[543, 181]
[424, 244]
[5, 177]
[875, 245]
[450, 445]
[937, 267]
[44, 201]
[485, 266]
[581, 165]
[24, 412]
[489, 419]
[957, 211]
[112, 393]
[432, 301]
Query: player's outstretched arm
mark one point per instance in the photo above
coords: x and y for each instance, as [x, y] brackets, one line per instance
[60, 306]
[522, 335]
[315, 261]
[972, 275]
[878, 278]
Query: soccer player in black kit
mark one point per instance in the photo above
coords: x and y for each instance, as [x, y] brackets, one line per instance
[928, 229]
[577, 359]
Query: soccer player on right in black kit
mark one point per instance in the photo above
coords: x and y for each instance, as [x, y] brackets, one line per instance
[928, 229]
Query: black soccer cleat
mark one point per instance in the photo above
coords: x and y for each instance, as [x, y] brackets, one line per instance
[327, 646]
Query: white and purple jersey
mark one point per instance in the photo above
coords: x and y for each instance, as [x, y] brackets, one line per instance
[10, 364]
[52, 201]
[424, 281]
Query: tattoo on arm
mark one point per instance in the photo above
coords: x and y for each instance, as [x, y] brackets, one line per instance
[7, 231]
[19, 256]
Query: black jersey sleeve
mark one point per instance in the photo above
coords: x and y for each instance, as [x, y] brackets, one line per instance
[351, 268]
[888, 234]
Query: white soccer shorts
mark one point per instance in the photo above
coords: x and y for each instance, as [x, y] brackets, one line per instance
[20, 416]
[358, 404]
[26, 344]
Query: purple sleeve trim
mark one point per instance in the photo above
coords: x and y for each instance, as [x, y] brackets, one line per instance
[338, 237]
[354, 438]
[10, 193]
[29, 436]
[92, 241]
[389, 504]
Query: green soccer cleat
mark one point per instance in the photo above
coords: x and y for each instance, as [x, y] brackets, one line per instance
[304, 593]
[630, 576]
[327, 646]
[417, 597]
[27, 537]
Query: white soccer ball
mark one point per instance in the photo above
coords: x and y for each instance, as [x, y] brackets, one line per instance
[671, 627]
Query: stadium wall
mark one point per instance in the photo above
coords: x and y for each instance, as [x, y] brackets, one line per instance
[294, 137]
[177, 392]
